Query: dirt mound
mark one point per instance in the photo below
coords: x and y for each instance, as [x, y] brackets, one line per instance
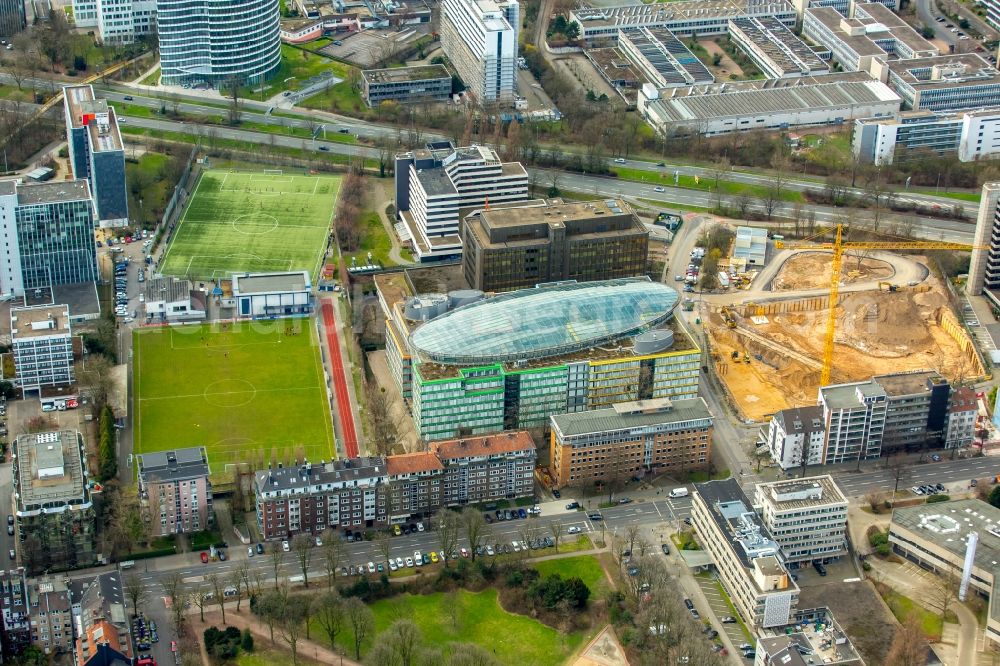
[811, 270]
[881, 324]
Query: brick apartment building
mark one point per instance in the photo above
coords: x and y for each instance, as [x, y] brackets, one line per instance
[630, 439]
[364, 493]
[174, 491]
[51, 611]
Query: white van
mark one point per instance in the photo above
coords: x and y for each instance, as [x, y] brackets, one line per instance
[679, 492]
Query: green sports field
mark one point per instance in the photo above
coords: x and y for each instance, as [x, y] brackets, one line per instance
[249, 392]
[251, 222]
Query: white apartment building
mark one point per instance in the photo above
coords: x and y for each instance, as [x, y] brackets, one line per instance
[116, 21]
[748, 560]
[43, 346]
[806, 517]
[796, 433]
[969, 135]
[218, 41]
[480, 39]
[854, 420]
[465, 178]
[963, 410]
[984, 268]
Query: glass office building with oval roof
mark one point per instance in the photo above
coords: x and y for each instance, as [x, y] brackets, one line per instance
[469, 364]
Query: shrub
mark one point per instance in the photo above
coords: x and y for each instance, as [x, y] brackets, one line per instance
[877, 538]
[883, 549]
[933, 499]
[553, 589]
[246, 642]
[223, 645]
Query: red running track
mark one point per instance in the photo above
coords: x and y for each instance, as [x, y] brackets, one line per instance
[340, 394]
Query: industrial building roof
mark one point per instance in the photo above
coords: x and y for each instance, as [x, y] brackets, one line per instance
[545, 321]
[660, 13]
[270, 283]
[406, 74]
[635, 414]
[779, 44]
[947, 71]
[948, 524]
[38, 322]
[872, 31]
[770, 96]
[664, 54]
[57, 191]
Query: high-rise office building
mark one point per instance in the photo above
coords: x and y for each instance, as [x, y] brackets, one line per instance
[12, 18]
[42, 340]
[116, 21]
[480, 39]
[984, 268]
[218, 41]
[47, 230]
[96, 152]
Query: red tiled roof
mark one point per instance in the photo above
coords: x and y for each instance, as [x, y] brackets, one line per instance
[471, 447]
[412, 463]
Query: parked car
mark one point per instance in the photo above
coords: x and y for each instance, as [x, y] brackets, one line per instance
[250, 552]
[573, 530]
[572, 505]
[521, 513]
[409, 562]
[284, 545]
[665, 548]
[204, 558]
[260, 549]
[556, 494]
[728, 619]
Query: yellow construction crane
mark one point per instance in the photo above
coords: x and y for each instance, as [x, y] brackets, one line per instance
[838, 247]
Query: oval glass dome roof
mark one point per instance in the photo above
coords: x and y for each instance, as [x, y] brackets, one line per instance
[545, 321]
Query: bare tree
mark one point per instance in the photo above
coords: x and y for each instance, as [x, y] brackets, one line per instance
[944, 591]
[173, 587]
[332, 552]
[329, 610]
[135, 591]
[235, 115]
[909, 646]
[236, 582]
[271, 607]
[446, 525]
[399, 644]
[302, 544]
[292, 623]
[244, 575]
[556, 530]
[631, 535]
[362, 622]
[217, 590]
[476, 530]
[383, 542]
[383, 435]
[874, 497]
[718, 170]
[200, 600]
[277, 558]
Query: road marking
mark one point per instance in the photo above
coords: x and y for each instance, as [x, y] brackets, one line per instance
[657, 510]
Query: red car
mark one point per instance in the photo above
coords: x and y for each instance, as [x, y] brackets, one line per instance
[204, 558]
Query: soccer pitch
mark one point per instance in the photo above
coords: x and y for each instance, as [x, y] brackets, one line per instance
[249, 392]
[241, 222]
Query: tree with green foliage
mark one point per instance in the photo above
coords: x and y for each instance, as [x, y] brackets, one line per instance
[107, 452]
[246, 642]
[994, 497]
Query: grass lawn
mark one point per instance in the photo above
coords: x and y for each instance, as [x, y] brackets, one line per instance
[472, 618]
[342, 97]
[585, 567]
[153, 79]
[732, 611]
[268, 656]
[238, 222]
[374, 239]
[12, 93]
[296, 67]
[676, 206]
[249, 392]
[973, 197]
[666, 178]
[903, 608]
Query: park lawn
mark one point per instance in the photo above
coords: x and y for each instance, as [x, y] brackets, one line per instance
[12, 93]
[585, 567]
[904, 608]
[342, 98]
[374, 239]
[268, 656]
[468, 617]
[297, 66]
[155, 189]
[705, 184]
[250, 392]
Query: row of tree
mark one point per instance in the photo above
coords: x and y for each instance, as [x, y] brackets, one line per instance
[107, 451]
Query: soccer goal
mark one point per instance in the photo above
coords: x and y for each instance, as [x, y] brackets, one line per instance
[274, 172]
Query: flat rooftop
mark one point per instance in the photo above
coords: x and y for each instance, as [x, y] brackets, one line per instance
[167, 289]
[406, 74]
[802, 493]
[39, 322]
[665, 13]
[877, 27]
[56, 191]
[267, 283]
[635, 414]
[666, 55]
[553, 213]
[731, 510]
[49, 470]
[845, 396]
[947, 71]
[77, 100]
[80, 101]
[177, 465]
[779, 44]
[948, 524]
[104, 136]
[908, 383]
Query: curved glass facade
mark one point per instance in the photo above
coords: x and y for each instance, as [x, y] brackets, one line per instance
[545, 321]
[214, 41]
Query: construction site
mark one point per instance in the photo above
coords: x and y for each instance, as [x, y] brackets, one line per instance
[892, 315]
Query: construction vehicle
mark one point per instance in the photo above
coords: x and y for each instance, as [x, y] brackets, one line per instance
[727, 316]
[888, 286]
[838, 247]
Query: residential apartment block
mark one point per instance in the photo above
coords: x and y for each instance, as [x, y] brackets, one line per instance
[630, 439]
[746, 557]
[53, 509]
[426, 83]
[963, 410]
[969, 135]
[96, 152]
[15, 607]
[205, 41]
[480, 39]
[984, 268]
[796, 434]
[103, 629]
[42, 341]
[51, 615]
[472, 365]
[47, 231]
[524, 244]
[806, 517]
[363, 493]
[174, 491]
[432, 185]
[889, 413]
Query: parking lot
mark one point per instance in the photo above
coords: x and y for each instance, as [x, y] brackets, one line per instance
[720, 609]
